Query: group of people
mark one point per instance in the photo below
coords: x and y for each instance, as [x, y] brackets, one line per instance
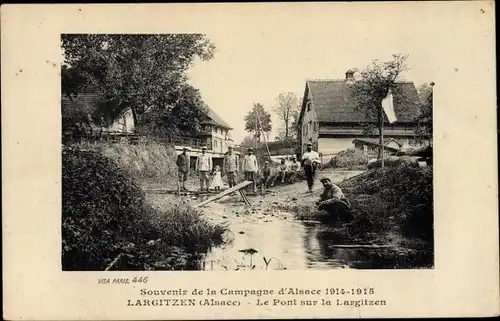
[204, 168]
[250, 166]
[230, 168]
[329, 200]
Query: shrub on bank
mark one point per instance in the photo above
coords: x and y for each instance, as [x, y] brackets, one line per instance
[105, 216]
[401, 195]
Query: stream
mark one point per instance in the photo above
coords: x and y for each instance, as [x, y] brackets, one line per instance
[273, 240]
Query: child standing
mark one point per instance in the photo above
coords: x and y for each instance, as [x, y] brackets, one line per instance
[217, 180]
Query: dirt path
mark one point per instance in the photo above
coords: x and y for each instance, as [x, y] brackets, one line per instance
[279, 240]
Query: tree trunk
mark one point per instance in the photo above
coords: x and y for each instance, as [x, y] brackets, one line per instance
[286, 130]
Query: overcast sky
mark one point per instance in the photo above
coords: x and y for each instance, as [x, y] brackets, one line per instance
[255, 61]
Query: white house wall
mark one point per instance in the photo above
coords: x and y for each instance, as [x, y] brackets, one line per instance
[310, 127]
[124, 123]
[220, 139]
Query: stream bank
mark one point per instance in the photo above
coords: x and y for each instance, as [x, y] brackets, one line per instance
[269, 236]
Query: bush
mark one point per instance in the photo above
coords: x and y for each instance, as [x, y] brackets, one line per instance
[105, 216]
[403, 194]
[348, 159]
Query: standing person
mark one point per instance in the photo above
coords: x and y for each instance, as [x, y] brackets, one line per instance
[230, 166]
[310, 160]
[203, 167]
[250, 167]
[217, 180]
[265, 177]
[183, 169]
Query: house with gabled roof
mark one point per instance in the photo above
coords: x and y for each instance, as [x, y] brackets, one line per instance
[216, 132]
[89, 102]
[330, 120]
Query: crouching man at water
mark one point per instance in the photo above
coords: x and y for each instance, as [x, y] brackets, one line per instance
[332, 200]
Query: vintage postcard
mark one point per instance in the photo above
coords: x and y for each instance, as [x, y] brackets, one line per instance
[250, 160]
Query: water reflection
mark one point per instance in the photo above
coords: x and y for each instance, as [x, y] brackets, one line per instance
[319, 241]
[279, 242]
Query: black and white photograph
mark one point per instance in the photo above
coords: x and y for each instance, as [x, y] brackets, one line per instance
[184, 151]
[249, 160]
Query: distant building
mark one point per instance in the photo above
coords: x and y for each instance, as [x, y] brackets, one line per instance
[330, 121]
[371, 146]
[89, 102]
[215, 132]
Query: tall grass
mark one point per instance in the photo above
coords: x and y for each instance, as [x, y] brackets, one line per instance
[148, 163]
[185, 226]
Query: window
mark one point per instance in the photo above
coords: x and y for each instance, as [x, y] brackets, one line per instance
[308, 106]
[216, 143]
[315, 126]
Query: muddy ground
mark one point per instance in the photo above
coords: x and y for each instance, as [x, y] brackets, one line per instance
[266, 234]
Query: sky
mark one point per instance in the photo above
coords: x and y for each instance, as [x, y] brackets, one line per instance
[257, 60]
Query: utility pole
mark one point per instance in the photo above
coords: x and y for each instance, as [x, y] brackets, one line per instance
[255, 136]
[262, 132]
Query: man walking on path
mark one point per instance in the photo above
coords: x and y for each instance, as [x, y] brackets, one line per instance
[310, 160]
[230, 165]
[203, 167]
[183, 169]
[250, 168]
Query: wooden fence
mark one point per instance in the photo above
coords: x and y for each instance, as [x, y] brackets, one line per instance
[130, 138]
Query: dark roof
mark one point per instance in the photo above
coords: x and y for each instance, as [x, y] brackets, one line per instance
[332, 103]
[91, 100]
[215, 119]
[86, 101]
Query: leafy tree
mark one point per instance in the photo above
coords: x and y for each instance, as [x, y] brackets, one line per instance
[248, 141]
[142, 72]
[287, 108]
[252, 124]
[425, 93]
[372, 85]
[181, 118]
